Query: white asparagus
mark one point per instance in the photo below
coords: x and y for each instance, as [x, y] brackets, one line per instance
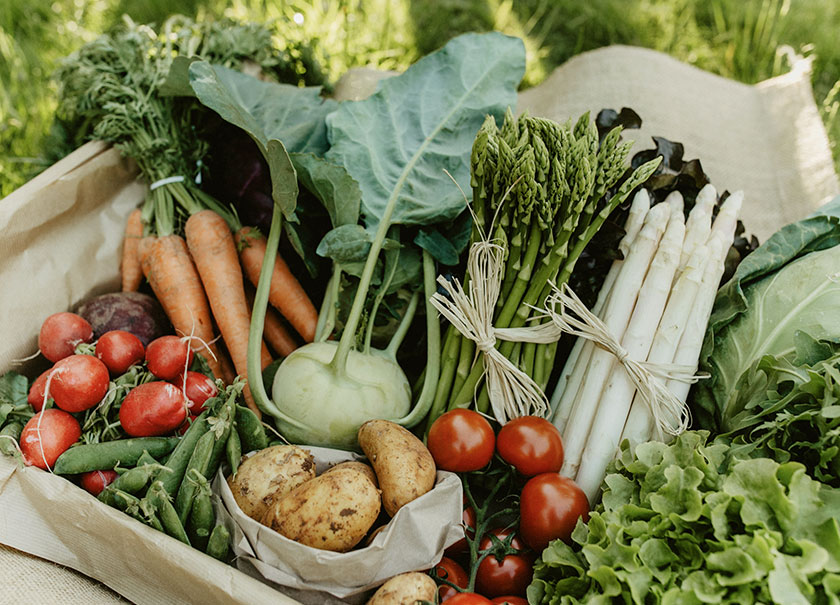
[699, 222]
[675, 201]
[727, 219]
[616, 317]
[617, 396]
[575, 365]
[639, 425]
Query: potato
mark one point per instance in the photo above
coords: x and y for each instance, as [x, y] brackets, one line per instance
[268, 475]
[405, 589]
[332, 512]
[359, 466]
[404, 466]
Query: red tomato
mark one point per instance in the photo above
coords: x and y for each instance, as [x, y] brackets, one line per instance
[550, 506]
[78, 382]
[509, 600]
[531, 444]
[153, 408]
[461, 440]
[510, 576]
[197, 388]
[468, 598]
[468, 518]
[451, 571]
[168, 357]
[47, 435]
[60, 333]
[96, 481]
[119, 350]
[36, 391]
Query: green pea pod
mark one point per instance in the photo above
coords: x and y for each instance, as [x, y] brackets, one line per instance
[172, 524]
[233, 449]
[133, 480]
[219, 543]
[199, 461]
[180, 456]
[251, 430]
[108, 454]
[146, 458]
[9, 436]
[150, 514]
[202, 517]
[227, 416]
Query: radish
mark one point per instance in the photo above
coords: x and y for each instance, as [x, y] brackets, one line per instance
[168, 357]
[152, 409]
[36, 391]
[61, 332]
[77, 383]
[197, 388]
[47, 435]
[95, 481]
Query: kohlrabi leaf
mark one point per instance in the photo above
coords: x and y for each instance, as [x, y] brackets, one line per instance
[331, 184]
[14, 389]
[434, 242]
[345, 244]
[406, 140]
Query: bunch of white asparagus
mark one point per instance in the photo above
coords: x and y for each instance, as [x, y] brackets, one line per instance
[656, 303]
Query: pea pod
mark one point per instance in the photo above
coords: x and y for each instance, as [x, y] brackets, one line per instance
[172, 524]
[233, 449]
[146, 458]
[251, 430]
[150, 514]
[219, 543]
[108, 454]
[202, 517]
[131, 481]
[199, 461]
[180, 456]
[227, 416]
[9, 436]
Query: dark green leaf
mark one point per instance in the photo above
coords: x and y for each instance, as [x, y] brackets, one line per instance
[14, 389]
[437, 245]
[332, 185]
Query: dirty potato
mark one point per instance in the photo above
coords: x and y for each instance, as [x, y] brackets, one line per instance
[332, 512]
[359, 466]
[405, 589]
[268, 475]
[404, 466]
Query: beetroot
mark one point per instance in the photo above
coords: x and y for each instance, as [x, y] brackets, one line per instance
[133, 312]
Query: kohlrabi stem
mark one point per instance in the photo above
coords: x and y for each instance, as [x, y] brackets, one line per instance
[402, 329]
[326, 317]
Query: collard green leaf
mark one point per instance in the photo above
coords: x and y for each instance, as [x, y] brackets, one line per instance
[401, 142]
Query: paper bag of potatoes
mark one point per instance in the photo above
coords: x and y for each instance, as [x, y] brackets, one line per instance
[332, 521]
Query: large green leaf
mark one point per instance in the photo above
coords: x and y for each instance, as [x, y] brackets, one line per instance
[401, 142]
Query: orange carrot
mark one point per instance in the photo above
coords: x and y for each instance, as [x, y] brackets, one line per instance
[274, 332]
[171, 273]
[211, 245]
[132, 272]
[286, 293]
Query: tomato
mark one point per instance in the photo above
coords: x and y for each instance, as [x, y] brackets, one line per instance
[461, 440]
[451, 571]
[468, 518]
[95, 481]
[119, 350]
[47, 435]
[197, 388]
[153, 408]
[531, 444]
[468, 598]
[510, 576]
[550, 506]
[60, 333]
[36, 391]
[168, 356]
[78, 382]
[509, 600]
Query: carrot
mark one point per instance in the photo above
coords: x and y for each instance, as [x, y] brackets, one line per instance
[286, 293]
[132, 272]
[171, 273]
[214, 252]
[274, 332]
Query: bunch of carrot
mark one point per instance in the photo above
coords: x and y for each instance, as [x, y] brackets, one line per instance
[198, 280]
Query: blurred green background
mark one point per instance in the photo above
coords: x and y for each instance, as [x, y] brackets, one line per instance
[742, 39]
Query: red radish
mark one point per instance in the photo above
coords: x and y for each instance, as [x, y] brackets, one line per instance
[77, 383]
[119, 350]
[168, 356]
[37, 391]
[187, 423]
[197, 388]
[61, 332]
[47, 435]
[96, 481]
[153, 408]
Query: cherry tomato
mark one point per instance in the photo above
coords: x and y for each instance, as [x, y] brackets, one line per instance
[509, 600]
[60, 333]
[451, 571]
[550, 506]
[47, 435]
[153, 408]
[510, 576]
[197, 388]
[96, 481]
[78, 382]
[468, 598]
[119, 350]
[468, 518]
[531, 444]
[461, 440]
[36, 391]
[168, 356]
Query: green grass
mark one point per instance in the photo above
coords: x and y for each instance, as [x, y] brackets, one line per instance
[740, 39]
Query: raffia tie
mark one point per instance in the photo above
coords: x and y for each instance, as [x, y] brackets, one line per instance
[512, 392]
[569, 315]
